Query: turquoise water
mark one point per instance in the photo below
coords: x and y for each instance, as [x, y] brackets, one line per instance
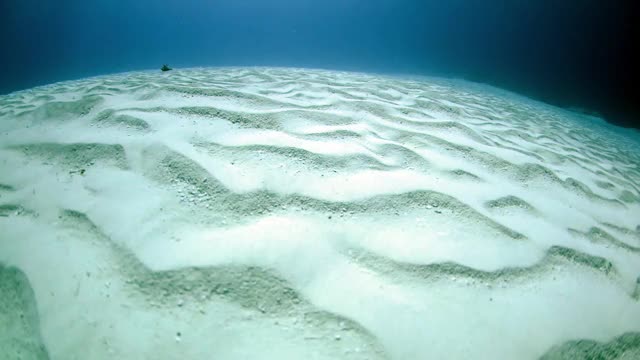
[572, 54]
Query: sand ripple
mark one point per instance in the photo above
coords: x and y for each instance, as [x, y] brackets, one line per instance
[287, 213]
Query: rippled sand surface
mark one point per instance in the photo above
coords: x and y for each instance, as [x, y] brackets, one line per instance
[262, 213]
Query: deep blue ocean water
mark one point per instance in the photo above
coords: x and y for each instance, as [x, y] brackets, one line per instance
[573, 54]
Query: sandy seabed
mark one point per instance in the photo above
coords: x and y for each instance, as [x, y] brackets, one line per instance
[268, 213]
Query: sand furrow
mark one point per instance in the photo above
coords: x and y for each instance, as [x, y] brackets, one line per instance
[243, 213]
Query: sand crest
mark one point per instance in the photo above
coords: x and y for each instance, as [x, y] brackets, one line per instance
[268, 213]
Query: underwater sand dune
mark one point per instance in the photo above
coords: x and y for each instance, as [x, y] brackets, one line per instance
[267, 213]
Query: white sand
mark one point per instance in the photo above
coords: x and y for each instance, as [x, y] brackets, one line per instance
[304, 214]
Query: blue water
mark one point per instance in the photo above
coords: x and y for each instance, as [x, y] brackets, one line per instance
[567, 53]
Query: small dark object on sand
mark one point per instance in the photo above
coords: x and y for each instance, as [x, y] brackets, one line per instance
[81, 171]
[165, 68]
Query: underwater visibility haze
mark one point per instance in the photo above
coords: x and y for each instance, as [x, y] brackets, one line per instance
[319, 180]
[579, 54]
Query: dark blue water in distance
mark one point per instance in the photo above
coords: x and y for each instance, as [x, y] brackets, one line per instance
[569, 53]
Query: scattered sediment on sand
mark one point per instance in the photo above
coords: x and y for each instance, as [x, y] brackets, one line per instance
[271, 213]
